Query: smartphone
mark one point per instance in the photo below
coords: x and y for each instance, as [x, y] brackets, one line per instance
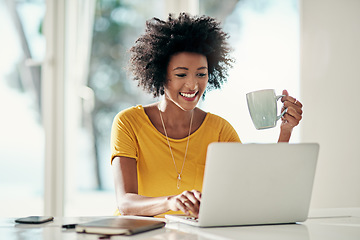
[34, 219]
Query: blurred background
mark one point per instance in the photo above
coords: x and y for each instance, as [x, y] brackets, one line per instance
[55, 122]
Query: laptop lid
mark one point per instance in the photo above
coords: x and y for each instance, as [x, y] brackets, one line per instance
[250, 184]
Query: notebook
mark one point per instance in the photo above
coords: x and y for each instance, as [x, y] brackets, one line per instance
[119, 226]
[255, 184]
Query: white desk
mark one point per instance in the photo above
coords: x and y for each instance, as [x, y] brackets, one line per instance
[325, 224]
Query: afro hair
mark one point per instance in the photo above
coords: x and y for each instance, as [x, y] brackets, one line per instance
[152, 51]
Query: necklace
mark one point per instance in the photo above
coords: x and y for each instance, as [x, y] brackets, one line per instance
[172, 155]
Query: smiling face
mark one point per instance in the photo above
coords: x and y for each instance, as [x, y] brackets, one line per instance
[186, 79]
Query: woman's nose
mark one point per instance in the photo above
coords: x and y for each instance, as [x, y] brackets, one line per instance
[192, 83]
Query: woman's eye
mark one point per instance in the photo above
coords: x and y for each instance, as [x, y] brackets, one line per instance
[181, 75]
[201, 75]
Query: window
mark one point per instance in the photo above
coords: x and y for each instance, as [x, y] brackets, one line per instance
[22, 133]
[264, 35]
[96, 100]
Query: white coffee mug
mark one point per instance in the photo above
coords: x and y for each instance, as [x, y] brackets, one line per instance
[262, 106]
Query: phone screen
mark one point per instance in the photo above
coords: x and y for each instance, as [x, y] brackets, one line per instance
[34, 219]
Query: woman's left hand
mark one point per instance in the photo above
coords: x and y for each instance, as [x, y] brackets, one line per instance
[291, 118]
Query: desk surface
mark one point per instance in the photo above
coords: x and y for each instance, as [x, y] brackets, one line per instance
[323, 224]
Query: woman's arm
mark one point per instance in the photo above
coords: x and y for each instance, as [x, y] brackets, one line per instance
[291, 118]
[131, 203]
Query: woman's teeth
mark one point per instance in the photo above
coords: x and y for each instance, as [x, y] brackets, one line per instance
[188, 95]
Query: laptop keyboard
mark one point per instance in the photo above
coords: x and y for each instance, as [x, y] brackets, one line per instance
[193, 219]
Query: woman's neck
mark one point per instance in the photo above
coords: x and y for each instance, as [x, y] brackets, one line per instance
[174, 116]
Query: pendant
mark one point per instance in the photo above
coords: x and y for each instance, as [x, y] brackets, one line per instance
[178, 181]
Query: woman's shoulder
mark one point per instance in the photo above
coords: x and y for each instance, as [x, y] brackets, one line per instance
[216, 119]
[131, 113]
[226, 130]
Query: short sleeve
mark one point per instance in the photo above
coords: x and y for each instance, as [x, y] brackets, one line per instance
[123, 137]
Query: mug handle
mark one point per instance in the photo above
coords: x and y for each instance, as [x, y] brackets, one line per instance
[283, 112]
[279, 96]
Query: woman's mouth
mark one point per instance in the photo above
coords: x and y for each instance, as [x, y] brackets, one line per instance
[189, 96]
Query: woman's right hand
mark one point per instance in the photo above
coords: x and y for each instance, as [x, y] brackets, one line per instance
[187, 201]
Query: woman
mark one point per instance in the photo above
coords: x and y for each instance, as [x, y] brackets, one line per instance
[158, 151]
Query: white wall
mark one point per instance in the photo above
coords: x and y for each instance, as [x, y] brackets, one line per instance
[330, 91]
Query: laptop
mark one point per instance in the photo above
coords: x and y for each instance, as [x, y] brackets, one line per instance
[255, 184]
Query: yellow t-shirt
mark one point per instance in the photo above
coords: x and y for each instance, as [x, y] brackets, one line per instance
[134, 136]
